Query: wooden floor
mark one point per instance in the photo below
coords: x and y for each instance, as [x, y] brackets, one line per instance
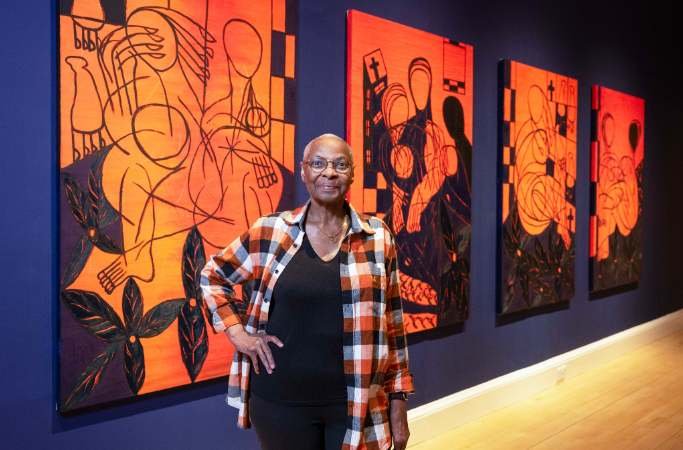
[632, 402]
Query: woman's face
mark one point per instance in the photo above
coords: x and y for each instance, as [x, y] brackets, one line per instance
[328, 186]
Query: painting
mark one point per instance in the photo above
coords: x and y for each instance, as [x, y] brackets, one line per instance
[409, 122]
[177, 131]
[537, 179]
[616, 224]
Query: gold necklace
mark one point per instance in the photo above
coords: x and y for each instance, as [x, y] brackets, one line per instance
[330, 237]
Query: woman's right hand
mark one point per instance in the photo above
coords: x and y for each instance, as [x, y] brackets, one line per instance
[254, 345]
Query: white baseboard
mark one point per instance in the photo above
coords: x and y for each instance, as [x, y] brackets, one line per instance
[457, 409]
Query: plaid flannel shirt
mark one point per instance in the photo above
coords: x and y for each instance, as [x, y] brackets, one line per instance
[375, 348]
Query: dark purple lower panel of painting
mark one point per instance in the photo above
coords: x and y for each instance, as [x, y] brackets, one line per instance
[535, 270]
[78, 348]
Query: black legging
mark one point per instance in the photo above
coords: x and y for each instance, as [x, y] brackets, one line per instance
[298, 427]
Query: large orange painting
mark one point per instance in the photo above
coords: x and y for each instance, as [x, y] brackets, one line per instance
[409, 122]
[177, 131]
[537, 151]
[617, 149]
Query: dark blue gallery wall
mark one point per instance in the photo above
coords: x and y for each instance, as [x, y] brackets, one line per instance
[623, 47]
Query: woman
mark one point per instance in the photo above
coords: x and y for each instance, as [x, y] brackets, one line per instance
[326, 307]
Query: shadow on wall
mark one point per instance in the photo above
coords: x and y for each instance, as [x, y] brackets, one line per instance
[131, 406]
[613, 291]
[435, 334]
[525, 314]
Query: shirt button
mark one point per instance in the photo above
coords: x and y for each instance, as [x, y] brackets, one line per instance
[276, 272]
[296, 245]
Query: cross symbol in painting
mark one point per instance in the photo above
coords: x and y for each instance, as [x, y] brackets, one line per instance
[374, 67]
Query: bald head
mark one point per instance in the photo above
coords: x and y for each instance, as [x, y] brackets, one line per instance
[328, 139]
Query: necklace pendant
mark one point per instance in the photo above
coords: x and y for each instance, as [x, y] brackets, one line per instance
[333, 239]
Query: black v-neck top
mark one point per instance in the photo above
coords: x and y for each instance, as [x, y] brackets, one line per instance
[306, 314]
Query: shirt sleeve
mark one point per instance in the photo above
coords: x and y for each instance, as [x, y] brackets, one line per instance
[232, 266]
[397, 378]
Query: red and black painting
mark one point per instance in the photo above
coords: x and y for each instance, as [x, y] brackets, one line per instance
[177, 131]
[409, 122]
[537, 174]
[616, 227]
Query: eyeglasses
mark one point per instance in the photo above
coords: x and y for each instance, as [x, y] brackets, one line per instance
[318, 164]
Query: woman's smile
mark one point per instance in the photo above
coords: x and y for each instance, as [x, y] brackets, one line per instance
[328, 187]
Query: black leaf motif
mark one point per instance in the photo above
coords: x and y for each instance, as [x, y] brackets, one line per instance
[108, 245]
[107, 214]
[508, 297]
[102, 210]
[464, 239]
[526, 261]
[134, 363]
[78, 202]
[510, 288]
[193, 263]
[525, 241]
[132, 305]
[159, 318]
[464, 301]
[448, 292]
[516, 225]
[540, 253]
[559, 253]
[194, 343]
[510, 244]
[636, 271]
[447, 231]
[524, 283]
[554, 241]
[543, 289]
[90, 377]
[463, 266]
[91, 311]
[568, 257]
[568, 281]
[79, 256]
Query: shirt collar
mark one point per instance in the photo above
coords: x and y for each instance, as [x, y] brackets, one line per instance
[358, 222]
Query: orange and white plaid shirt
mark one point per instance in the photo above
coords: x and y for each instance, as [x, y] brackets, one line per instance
[375, 348]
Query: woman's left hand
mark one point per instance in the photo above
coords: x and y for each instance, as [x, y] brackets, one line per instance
[398, 418]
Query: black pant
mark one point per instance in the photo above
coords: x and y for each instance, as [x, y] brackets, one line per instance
[298, 427]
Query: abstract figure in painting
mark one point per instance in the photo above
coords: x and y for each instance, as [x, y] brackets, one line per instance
[416, 158]
[617, 149]
[178, 123]
[538, 180]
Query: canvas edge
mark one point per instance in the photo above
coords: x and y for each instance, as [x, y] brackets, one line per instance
[348, 83]
[592, 238]
[56, 210]
[499, 184]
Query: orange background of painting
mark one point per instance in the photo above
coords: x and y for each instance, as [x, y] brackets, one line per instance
[399, 45]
